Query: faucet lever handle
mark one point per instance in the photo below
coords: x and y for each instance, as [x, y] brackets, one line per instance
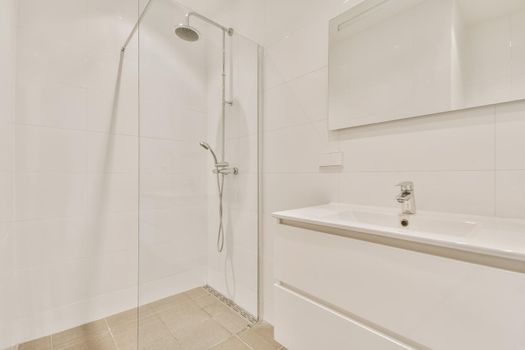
[406, 185]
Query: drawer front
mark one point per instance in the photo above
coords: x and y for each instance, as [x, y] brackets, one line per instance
[303, 324]
[436, 302]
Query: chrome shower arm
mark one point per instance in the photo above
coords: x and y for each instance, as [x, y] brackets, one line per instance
[229, 31]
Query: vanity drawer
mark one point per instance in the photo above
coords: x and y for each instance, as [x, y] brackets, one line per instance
[303, 324]
[422, 300]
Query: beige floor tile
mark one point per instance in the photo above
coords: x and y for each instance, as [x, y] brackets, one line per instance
[196, 293]
[191, 320]
[178, 302]
[169, 302]
[150, 330]
[38, 344]
[258, 341]
[231, 321]
[205, 300]
[104, 342]
[202, 336]
[123, 322]
[84, 333]
[216, 308]
[126, 320]
[183, 317]
[265, 330]
[233, 343]
[168, 343]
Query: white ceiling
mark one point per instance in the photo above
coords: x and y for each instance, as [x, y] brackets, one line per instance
[479, 10]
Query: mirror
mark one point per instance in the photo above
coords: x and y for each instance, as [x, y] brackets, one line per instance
[396, 59]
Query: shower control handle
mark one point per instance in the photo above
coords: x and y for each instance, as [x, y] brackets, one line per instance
[226, 170]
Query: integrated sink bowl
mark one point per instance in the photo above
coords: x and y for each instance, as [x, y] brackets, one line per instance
[489, 237]
[418, 222]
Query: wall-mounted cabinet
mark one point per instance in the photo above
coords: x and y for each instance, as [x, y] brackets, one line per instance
[344, 293]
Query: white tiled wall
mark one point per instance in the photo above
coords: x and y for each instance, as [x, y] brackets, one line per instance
[74, 164]
[7, 110]
[173, 203]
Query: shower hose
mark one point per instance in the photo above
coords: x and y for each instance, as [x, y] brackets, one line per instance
[220, 233]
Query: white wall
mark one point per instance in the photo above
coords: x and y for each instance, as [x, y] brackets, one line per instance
[7, 110]
[467, 162]
[75, 170]
[173, 178]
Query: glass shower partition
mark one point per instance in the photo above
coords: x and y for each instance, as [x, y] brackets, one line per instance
[68, 172]
[189, 292]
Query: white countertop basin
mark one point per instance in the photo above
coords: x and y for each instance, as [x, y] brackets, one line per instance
[504, 238]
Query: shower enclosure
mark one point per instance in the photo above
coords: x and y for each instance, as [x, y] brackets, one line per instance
[199, 173]
[118, 227]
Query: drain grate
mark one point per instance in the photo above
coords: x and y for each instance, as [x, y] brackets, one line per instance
[231, 304]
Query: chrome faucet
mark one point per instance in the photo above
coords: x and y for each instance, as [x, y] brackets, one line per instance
[407, 197]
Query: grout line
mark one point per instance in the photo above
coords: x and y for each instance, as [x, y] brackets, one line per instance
[495, 174]
[409, 171]
[242, 341]
[300, 76]
[157, 314]
[111, 333]
[295, 125]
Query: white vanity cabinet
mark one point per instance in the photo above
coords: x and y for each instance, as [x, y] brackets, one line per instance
[334, 292]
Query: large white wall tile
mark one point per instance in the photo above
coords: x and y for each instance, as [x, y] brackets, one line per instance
[296, 149]
[302, 51]
[311, 92]
[6, 197]
[111, 193]
[111, 153]
[112, 92]
[8, 292]
[284, 191]
[510, 140]
[43, 149]
[456, 141]
[282, 109]
[49, 195]
[510, 194]
[53, 105]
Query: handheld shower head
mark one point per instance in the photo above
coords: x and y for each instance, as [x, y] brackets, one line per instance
[206, 146]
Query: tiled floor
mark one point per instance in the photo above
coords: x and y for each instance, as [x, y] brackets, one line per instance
[193, 320]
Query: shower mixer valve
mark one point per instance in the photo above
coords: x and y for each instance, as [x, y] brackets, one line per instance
[225, 169]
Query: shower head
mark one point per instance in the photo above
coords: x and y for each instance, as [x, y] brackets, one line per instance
[187, 32]
[206, 146]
